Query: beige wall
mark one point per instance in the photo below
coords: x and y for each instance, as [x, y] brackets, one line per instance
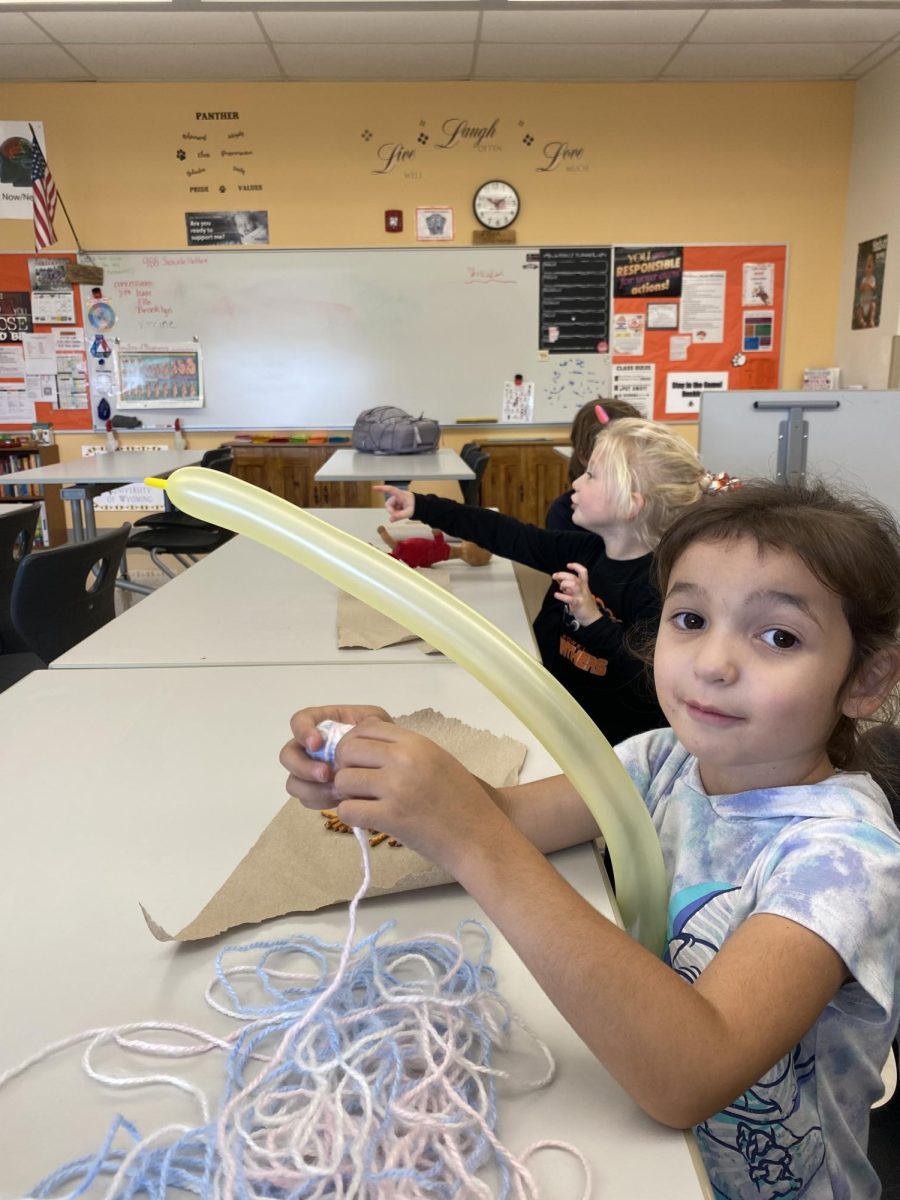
[660, 163]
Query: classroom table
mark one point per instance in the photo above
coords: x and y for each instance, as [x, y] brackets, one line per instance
[85, 478]
[563, 451]
[400, 469]
[148, 787]
[247, 604]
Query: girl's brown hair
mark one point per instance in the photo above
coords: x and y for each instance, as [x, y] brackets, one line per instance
[850, 544]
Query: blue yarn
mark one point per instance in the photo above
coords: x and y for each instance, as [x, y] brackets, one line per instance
[190, 1163]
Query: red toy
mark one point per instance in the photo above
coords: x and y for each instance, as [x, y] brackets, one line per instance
[425, 552]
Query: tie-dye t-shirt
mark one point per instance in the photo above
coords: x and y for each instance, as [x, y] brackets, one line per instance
[828, 857]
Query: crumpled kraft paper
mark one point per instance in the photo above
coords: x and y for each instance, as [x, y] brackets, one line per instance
[361, 627]
[297, 865]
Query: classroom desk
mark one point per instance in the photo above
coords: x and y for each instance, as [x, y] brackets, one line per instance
[85, 478]
[149, 786]
[352, 466]
[563, 451]
[246, 604]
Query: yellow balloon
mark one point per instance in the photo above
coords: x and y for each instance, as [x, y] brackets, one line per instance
[429, 611]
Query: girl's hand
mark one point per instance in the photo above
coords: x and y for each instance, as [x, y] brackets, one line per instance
[576, 595]
[400, 505]
[399, 782]
[309, 779]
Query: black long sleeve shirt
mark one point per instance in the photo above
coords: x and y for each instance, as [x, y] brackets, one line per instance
[591, 662]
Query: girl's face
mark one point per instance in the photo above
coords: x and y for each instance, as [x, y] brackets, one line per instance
[750, 665]
[595, 501]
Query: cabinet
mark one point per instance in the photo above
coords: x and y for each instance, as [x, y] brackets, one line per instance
[288, 471]
[24, 456]
[523, 478]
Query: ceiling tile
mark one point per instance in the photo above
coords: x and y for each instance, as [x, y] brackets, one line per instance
[797, 25]
[166, 63]
[15, 28]
[497, 61]
[349, 28]
[793, 61]
[375, 62]
[150, 27]
[38, 64]
[573, 27]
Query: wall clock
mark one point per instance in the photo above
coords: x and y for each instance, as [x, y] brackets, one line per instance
[496, 204]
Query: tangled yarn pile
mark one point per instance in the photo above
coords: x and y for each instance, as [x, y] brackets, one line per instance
[374, 1078]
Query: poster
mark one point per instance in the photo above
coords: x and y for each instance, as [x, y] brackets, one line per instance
[434, 224]
[683, 390]
[869, 283]
[574, 299]
[15, 316]
[227, 228]
[628, 334]
[48, 274]
[634, 383]
[758, 285]
[759, 331]
[703, 305]
[647, 271]
[15, 168]
[518, 402]
[15, 407]
[160, 378]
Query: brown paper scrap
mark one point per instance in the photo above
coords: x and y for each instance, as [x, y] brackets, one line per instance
[297, 865]
[361, 627]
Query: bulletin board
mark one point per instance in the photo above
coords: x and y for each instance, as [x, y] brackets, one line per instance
[694, 319]
[34, 298]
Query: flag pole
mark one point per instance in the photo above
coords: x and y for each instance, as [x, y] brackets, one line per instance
[62, 202]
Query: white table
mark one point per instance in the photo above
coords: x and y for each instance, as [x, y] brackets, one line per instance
[149, 786]
[246, 604]
[399, 469]
[85, 478]
[563, 451]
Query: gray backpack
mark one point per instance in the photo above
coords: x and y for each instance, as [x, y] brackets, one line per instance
[390, 430]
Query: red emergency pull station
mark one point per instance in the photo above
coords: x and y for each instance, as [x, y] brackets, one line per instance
[393, 220]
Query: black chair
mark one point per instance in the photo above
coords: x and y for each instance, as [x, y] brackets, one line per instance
[175, 533]
[60, 596]
[219, 459]
[18, 523]
[471, 488]
[469, 450]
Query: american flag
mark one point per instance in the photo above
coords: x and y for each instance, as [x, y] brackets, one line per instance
[44, 199]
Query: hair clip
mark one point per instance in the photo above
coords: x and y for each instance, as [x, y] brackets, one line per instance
[723, 482]
[602, 414]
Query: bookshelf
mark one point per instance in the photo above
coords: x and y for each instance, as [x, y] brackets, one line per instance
[22, 454]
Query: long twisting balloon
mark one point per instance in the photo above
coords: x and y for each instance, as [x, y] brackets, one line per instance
[429, 611]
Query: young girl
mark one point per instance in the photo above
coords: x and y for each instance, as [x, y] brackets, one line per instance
[639, 476]
[586, 427]
[767, 1023]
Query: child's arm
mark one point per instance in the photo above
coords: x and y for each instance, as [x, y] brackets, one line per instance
[539, 548]
[683, 1052]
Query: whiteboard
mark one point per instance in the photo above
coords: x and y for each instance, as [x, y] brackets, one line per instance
[852, 447]
[309, 338]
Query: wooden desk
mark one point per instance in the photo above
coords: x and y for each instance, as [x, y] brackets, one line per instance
[143, 785]
[246, 604]
[398, 469]
[85, 478]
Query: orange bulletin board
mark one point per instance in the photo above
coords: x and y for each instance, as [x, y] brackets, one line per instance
[695, 318]
[15, 279]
